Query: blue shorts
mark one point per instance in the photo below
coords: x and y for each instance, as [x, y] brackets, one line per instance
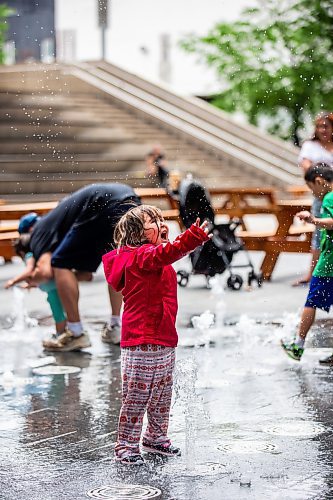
[320, 294]
[84, 244]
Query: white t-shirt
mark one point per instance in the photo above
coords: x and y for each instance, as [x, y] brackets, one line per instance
[315, 152]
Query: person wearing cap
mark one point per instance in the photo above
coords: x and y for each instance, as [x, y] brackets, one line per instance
[27, 222]
[68, 244]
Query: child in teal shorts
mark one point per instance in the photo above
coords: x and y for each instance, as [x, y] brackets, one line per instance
[48, 287]
[319, 178]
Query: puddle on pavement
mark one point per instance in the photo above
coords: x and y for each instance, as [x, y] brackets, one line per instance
[56, 370]
[199, 470]
[212, 383]
[125, 491]
[249, 372]
[296, 428]
[241, 446]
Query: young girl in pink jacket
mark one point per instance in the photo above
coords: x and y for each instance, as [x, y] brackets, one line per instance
[141, 269]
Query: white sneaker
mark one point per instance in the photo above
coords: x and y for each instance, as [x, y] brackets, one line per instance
[66, 341]
[111, 335]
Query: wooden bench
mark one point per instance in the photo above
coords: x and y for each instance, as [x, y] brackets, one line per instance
[6, 245]
[13, 212]
[8, 228]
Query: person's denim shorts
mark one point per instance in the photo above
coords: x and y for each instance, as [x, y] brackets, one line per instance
[320, 294]
[85, 243]
[316, 236]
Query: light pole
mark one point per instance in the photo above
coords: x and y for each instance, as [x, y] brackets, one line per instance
[103, 22]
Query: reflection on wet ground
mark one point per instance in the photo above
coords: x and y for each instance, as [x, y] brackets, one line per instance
[252, 424]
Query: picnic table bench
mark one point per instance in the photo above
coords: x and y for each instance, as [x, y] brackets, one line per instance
[288, 237]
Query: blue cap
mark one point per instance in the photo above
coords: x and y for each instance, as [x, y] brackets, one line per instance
[26, 222]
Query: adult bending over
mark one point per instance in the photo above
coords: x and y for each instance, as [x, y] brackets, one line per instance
[68, 244]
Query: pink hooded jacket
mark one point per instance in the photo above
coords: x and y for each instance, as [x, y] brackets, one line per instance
[148, 283]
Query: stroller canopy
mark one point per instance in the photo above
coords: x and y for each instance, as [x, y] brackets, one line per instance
[194, 202]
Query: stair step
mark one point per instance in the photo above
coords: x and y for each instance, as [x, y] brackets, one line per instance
[53, 143]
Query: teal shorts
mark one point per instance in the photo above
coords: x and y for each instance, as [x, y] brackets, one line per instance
[53, 299]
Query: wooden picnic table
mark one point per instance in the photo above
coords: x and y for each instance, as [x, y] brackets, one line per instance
[16, 210]
[234, 202]
[238, 202]
[299, 191]
[154, 194]
[287, 237]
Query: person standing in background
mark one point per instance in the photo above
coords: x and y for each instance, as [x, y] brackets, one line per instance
[315, 150]
[156, 169]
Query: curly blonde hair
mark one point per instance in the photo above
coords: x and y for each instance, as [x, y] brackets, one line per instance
[129, 230]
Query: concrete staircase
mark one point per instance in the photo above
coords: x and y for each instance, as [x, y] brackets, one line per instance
[62, 127]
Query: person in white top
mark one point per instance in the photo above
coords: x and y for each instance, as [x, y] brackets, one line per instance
[315, 150]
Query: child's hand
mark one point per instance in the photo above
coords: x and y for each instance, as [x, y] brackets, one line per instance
[9, 284]
[305, 216]
[27, 286]
[204, 227]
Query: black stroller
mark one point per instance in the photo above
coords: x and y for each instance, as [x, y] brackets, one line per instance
[216, 255]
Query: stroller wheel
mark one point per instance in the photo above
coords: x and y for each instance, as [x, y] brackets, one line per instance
[182, 278]
[235, 282]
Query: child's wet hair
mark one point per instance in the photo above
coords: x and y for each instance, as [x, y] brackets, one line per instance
[129, 231]
[22, 244]
[319, 170]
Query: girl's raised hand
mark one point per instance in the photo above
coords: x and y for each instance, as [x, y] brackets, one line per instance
[204, 226]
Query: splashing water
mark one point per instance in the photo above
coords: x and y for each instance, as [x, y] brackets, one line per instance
[202, 328]
[217, 291]
[19, 312]
[204, 325]
[202, 332]
[289, 324]
[185, 377]
[249, 331]
[22, 332]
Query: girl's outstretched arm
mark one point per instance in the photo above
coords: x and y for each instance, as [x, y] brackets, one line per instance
[153, 257]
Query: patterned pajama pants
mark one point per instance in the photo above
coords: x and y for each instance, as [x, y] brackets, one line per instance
[147, 378]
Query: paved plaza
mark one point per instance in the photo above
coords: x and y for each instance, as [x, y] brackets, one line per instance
[251, 423]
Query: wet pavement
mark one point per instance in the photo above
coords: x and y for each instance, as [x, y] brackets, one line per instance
[251, 423]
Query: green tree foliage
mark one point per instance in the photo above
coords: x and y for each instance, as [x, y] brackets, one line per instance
[276, 62]
[4, 13]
